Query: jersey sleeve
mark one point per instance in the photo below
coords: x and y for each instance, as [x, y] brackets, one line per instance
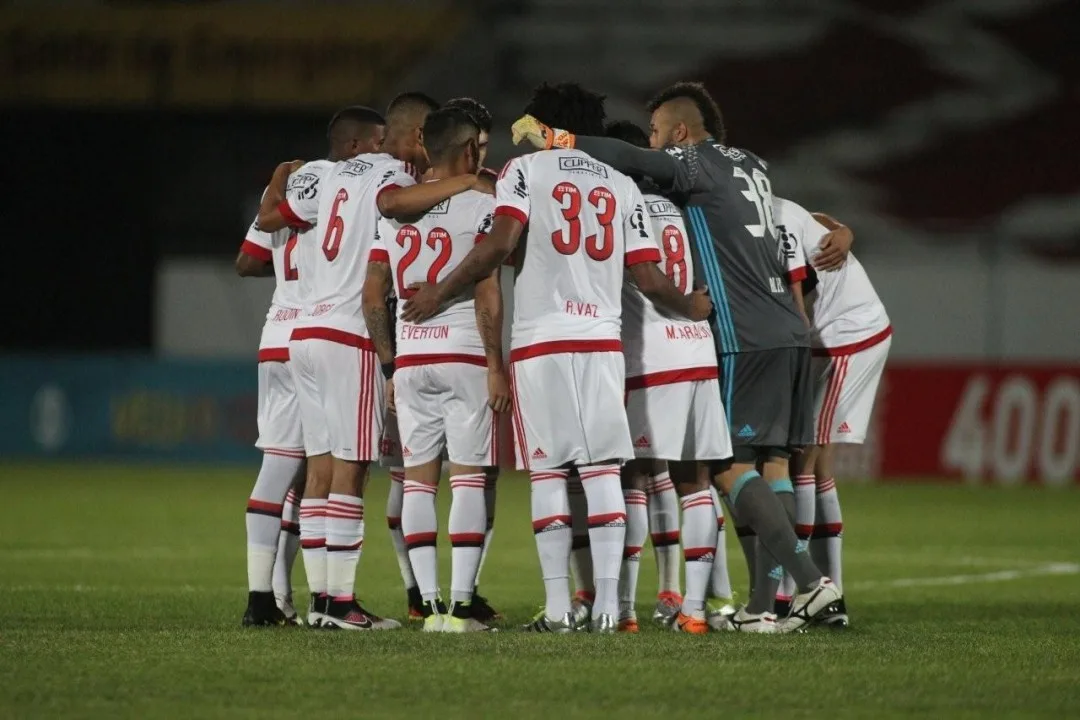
[641, 244]
[300, 208]
[485, 211]
[798, 232]
[512, 191]
[379, 252]
[257, 243]
[397, 176]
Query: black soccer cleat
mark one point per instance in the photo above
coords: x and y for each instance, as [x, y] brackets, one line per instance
[482, 610]
[262, 611]
[834, 617]
[782, 608]
[415, 603]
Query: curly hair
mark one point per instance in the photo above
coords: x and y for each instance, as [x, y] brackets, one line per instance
[568, 106]
[706, 106]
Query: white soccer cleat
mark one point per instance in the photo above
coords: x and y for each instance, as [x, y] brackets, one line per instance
[808, 605]
[718, 613]
[762, 623]
[581, 612]
[284, 603]
[465, 625]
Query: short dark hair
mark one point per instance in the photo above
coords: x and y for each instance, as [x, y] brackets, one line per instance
[479, 112]
[568, 106]
[696, 93]
[359, 114]
[627, 131]
[446, 130]
[411, 101]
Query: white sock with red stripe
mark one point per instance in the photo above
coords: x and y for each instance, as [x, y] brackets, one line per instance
[581, 564]
[313, 542]
[263, 518]
[637, 529]
[468, 519]
[551, 526]
[288, 546]
[719, 578]
[420, 526]
[489, 506]
[607, 532]
[829, 530]
[699, 546]
[393, 522]
[664, 529]
[805, 503]
[344, 539]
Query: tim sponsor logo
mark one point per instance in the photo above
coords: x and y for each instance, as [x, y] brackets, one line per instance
[583, 164]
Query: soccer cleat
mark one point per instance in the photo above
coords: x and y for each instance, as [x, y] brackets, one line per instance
[453, 624]
[782, 608]
[317, 610]
[718, 612]
[762, 623]
[667, 607]
[604, 623]
[380, 623]
[541, 623]
[285, 605]
[346, 615]
[415, 603]
[808, 605]
[689, 624]
[834, 617]
[433, 618]
[628, 623]
[482, 610]
[581, 612]
[262, 611]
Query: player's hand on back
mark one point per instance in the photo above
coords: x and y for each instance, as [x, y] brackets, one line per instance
[422, 304]
[834, 247]
[498, 391]
[700, 304]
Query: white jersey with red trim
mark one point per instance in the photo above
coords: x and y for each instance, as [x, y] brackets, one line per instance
[280, 248]
[335, 261]
[427, 250]
[661, 347]
[845, 311]
[586, 222]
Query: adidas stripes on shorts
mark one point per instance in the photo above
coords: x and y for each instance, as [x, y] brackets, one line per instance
[845, 387]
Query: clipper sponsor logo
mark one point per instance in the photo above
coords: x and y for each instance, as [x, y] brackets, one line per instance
[663, 208]
[357, 167]
[303, 185]
[440, 209]
[583, 164]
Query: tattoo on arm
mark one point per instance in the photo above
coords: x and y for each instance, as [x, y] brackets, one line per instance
[376, 314]
[477, 265]
[489, 319]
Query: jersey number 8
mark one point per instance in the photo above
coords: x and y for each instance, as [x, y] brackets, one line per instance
[597, 246]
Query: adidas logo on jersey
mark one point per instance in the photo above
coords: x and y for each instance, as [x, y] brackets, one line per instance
[539, 454]
[844, 427]
[642, 442]
[746, 432]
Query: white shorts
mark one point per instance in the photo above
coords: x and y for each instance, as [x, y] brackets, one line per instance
[445, 405]
[341, 392]
[844, 390]
[279, 411]
[568, 408]
[680, 421]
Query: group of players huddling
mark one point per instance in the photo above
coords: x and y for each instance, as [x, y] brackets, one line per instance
[680, 336]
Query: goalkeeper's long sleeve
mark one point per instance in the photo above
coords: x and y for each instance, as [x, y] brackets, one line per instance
[665, 170]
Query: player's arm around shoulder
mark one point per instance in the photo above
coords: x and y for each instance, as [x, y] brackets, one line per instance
[835, 246]
[274, 211]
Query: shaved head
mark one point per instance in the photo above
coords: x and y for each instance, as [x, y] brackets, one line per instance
[354, 130]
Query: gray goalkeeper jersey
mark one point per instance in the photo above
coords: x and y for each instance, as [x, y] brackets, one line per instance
[727, 200]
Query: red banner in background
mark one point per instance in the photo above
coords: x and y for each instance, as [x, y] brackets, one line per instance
[1007, 424]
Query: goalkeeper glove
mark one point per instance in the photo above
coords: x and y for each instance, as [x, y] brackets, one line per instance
[540, 135]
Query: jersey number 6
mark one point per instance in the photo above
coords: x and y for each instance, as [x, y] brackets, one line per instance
[569, 198]
[335, 228]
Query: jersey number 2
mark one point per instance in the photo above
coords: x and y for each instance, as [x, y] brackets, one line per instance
[335, 228]
[291, 272]
[598, 247]
[411, 236]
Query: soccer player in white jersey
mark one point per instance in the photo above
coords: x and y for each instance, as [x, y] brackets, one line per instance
[281, 439]
[586, 223]
[448, 378]
[676, 416]
[851, 338]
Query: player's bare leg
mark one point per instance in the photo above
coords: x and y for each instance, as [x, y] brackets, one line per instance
[551, 527]
[581, 564]
[481, 609]
[468, 524]
[419, 525]
[288, 547]
[699, 542]
[313, 534]
[263, 521]
[635, 477]
[802, 470]
[663, 507]
[768, 572]
[757, 505]
[828, 534]
[394, 502]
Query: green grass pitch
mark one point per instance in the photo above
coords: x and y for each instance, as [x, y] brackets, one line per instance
[121, 590]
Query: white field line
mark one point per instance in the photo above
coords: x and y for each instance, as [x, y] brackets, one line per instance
[1059, 568]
